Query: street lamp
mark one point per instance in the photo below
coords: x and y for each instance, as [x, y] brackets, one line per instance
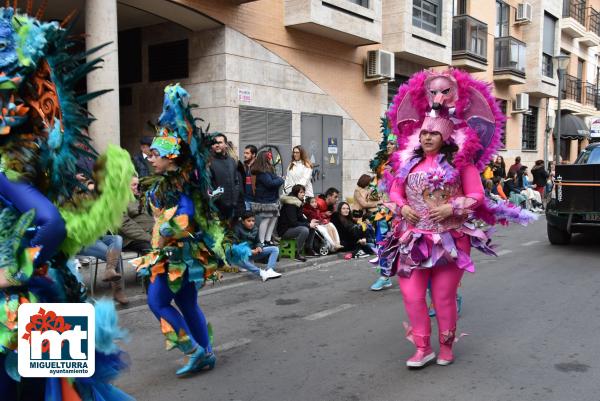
[562, 62]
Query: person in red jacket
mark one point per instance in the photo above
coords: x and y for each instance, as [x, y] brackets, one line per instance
[312, 211]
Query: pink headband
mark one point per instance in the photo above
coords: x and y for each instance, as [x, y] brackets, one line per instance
[438, 124]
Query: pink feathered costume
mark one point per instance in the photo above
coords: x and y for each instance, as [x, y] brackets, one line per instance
[465, 113]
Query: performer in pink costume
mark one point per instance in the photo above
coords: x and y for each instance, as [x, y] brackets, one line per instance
[448, 127]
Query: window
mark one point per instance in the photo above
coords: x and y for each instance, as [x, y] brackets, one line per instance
[130, 56]
[460, 7]
[427, 14]
[502, 17]
[503, 105]
[364, 3]
[393, 87]
[548, 45]
[530, 129]
[168, 61]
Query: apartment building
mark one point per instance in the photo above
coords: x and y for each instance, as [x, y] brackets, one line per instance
[272, 73]
[512, 44]
[276, 73]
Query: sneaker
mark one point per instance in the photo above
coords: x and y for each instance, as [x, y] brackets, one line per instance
[264, 275]
[361, 254]
[381, 283]
[375, 260]
[272, 274]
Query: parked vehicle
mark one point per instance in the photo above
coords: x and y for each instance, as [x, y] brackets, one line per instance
[576, 204]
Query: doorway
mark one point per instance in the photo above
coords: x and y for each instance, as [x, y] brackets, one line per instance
[321, 136]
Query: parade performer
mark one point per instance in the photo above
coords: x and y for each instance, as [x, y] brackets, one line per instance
[383, 219]
[188, 240]
[46, 214]
[448, 127]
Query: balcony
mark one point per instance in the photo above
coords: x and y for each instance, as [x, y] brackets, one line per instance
[509, 61]
[573, 21]
[571, 93]
[592, 35]
[349, 22]
[469, 43]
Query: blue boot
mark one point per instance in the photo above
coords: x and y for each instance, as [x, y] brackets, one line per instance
[195, 358]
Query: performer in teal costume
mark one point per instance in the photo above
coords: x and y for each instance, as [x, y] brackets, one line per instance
[188, 240]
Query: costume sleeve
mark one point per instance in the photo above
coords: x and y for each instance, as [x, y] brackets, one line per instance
[51, 230]
[179, 226]
[472, 190]
[398, 194]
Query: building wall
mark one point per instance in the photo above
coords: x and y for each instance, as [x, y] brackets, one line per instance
[335, 67]
[222, 61]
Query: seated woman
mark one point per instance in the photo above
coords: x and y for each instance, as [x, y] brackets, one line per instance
[352, 236]
[325, 227]
[362, 196]
[293, 224]
[533, 197]
[513, 190]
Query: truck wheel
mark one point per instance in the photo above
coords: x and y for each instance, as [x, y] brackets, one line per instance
[556, 236]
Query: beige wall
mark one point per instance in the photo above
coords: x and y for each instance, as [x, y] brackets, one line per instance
[334, 67]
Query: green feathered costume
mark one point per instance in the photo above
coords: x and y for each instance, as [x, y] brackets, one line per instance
[46, 214]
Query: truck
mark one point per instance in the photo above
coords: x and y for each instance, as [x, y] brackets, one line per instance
[575, 207]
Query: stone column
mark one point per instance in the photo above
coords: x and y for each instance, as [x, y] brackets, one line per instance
[100, 28]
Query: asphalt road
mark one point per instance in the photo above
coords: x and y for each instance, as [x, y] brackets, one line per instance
[318, 333]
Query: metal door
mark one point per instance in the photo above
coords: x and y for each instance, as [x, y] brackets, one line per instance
[321, 136]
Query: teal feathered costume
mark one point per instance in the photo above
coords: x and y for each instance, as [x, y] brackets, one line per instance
[46, 215]
[188, 240]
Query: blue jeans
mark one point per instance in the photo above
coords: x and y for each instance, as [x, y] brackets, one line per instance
[270, 252]
[101, 247]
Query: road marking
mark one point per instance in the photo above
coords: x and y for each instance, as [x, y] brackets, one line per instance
[530, 243]
[327, 312]
[504, 252]
[232, 344]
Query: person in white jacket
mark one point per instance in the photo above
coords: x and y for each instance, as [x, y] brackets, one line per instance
[299, 172]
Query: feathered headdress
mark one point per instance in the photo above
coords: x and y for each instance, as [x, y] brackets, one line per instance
[451, 95]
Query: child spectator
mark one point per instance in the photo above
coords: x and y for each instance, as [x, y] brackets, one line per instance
[246, 231]
[325, 227]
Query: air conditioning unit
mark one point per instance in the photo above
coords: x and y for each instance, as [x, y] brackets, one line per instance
[379, 66]
[522, 103]
[523, 13]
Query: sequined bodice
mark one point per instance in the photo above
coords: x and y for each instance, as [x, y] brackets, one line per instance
[422, 197]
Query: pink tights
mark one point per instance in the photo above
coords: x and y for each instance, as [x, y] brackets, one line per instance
[444, 284]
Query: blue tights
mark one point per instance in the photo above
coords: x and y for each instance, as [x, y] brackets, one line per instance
[190, 319]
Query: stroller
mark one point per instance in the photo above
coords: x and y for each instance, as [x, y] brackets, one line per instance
[320, 244]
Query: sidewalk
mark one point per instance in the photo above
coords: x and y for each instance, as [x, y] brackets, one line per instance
[135, 293]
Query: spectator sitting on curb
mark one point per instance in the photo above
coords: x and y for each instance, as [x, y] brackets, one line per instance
[325, 227]
[293, 224]
[328, 201]
[246, 231]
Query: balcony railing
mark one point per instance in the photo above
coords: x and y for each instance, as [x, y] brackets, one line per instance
[469, 37]
[509, 55]
[593, 21]
[575, 10]
[572, 88]
[590, 94]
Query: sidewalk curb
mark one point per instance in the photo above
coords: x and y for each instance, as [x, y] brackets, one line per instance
[284, 266]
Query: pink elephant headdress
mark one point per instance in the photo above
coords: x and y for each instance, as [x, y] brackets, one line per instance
[437, 99]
